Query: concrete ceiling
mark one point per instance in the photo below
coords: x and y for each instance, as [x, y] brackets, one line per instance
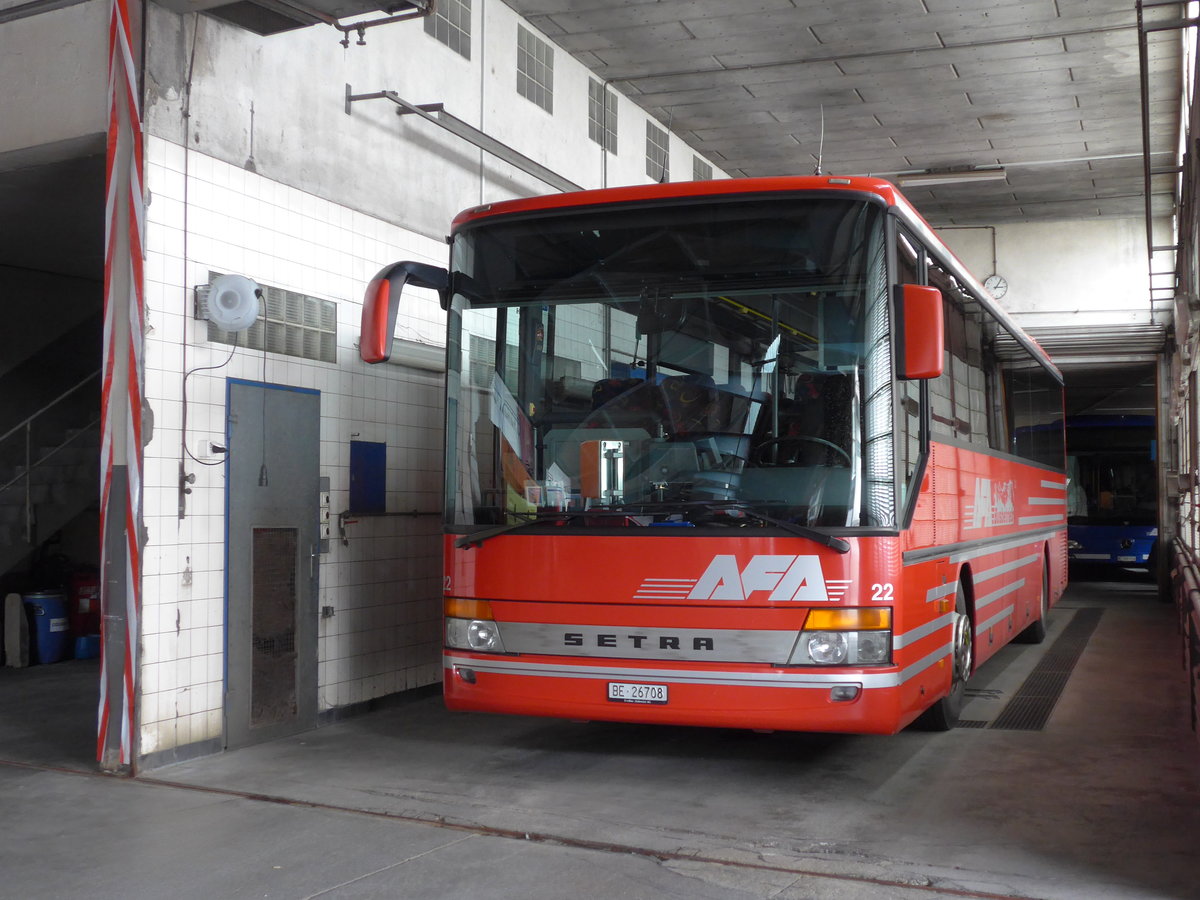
[1048, 89]
[52, 208]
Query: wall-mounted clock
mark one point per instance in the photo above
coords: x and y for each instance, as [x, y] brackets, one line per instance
[996, 285]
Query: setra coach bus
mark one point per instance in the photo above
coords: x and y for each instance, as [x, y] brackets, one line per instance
[754, 453]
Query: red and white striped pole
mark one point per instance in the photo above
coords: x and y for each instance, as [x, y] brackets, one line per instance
[121, 401]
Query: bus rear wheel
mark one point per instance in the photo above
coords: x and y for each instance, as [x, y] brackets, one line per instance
[944, 714]
[1035, 632]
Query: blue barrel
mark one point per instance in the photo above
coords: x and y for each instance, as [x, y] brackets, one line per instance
[49, 627]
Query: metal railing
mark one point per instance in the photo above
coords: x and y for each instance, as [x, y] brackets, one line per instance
[26, 470]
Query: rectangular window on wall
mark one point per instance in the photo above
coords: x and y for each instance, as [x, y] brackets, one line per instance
[701, 171]
[535, 69]
[658, 153]
[602, 115]
[451, 24]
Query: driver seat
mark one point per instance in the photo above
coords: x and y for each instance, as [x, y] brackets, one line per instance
[821, 407]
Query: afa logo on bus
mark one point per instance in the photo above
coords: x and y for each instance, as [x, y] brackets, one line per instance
[994, 504]
[785, 577]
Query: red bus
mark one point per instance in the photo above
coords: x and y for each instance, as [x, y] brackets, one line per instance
[755, 453]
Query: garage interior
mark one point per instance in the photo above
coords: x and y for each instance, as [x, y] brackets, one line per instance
[1052, 112]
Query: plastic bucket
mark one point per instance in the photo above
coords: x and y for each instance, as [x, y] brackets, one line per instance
[87, 646]
[49, 626]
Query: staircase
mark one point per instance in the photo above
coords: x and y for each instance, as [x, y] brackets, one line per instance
[49, 470]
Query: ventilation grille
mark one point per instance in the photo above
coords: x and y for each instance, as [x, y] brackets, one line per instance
[290, 323]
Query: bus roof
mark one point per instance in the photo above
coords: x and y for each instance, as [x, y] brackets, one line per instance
[678, 190]
[887, 192]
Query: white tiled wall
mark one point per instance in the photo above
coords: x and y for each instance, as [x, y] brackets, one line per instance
[384, 586]
[208, 212]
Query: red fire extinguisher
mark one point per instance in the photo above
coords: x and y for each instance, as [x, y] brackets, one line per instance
[85, 603]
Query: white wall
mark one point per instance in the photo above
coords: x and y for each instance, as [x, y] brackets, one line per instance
[53, 68]
[314, 200]
[1077, 273]
[400, 169]
[384, 587]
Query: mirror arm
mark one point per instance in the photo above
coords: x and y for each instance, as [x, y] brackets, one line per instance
[382, 300]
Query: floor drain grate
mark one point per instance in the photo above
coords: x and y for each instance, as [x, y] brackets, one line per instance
[1031, 706]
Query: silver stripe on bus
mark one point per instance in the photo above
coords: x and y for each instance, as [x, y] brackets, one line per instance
[987, 574]
[992, 549]
[968, 550]
[836, 589]
[781, 679]
[1047, 501]
[1036, 520]
[632, 642]
[909, 672]
[693, 645]
[909, 637]
[999, 617]
[942, 590]
[989, 599]
[1054, 485]
[665, 589]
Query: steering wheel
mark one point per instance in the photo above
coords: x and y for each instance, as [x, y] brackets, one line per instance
[762, 451]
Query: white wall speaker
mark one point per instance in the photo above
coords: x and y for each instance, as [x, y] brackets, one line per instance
[232, 302]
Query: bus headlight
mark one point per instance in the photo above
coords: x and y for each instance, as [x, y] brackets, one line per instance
[827, 648]
[874, 646]
[470, 625]
[483, 636]
[848, 636]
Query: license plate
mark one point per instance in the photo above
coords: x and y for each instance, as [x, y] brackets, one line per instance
[628, 692]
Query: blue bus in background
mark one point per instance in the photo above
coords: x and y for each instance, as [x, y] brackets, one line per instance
[1112, 490]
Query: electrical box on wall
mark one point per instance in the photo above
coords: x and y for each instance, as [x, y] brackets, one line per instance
[368, 477]
[324, 515]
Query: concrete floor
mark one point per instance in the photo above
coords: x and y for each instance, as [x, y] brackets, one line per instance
[416, 802]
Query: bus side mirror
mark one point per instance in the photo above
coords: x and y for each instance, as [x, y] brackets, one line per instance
[383, 299]
[920, 332]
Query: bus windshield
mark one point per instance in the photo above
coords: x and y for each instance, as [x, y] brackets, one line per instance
[708, 363]
[1111, 463]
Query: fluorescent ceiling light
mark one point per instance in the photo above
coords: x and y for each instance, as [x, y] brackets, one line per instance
[927, 179]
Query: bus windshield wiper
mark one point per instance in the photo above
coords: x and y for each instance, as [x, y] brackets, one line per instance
[814, 534]
[805, 531]
[474, 540]
[629, 509]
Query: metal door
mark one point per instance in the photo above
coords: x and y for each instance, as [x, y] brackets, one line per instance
[271, 501]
